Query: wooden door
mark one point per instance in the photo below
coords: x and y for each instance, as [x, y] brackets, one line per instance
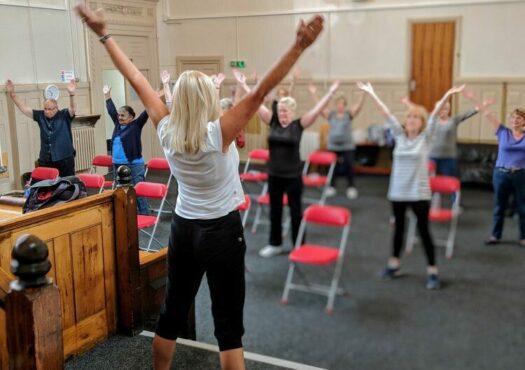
[207, 65]
[432, 61]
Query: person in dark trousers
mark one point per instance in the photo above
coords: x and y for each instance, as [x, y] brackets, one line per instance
[56, 139]
[206, 234]
[126, 143]
[284, 165]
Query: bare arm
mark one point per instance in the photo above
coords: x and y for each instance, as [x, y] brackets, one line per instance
[71, 88]
[312, 89]
[154, 106]
[24, 108]
[217, 81]
[264, 113]
[309, 118]
[358, 106]
[237, 118]
[491, 117]
[444, 99]
[367, 88]
[295, 76]
[165, 78]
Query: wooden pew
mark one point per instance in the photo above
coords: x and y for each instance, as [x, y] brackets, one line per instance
[93, 249]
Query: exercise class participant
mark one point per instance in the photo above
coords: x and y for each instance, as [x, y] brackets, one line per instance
[284, 165]
[206, 232]
[56, 139]
[409, 181]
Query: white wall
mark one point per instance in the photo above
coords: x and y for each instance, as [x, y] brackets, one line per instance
[370, 40]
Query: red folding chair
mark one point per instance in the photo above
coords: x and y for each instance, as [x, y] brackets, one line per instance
[43, 173]
[252, 176]
[151, 190]
[441, 186]
[319, 255]
[245, 208]
[319, 158]
[103, 161]
[93, 181]
[263, 202]
[160, 164]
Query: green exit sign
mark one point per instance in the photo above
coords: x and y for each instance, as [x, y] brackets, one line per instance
[237, 64]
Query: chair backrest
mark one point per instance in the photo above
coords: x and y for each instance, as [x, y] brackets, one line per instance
[259, 154]
[246, 205]
[444, 184]
[151, 190]
[102, 161]
[327, 215]
[159, 164]
[92, 181]
[44, 173]
[322, 158]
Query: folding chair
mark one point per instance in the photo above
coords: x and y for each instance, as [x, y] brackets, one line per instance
[251, 176]
[93, 181]
[43, 173]
[103, 161]
[160, 164]
[319, 255]
[440, 186]
[151, 190]
[263, 201]
[245, 208]
[314, 180]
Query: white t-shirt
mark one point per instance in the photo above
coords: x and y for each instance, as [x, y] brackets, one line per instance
[208, 181]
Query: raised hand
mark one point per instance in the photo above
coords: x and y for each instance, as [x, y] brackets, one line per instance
[239, 76]
[312, 88]
[106, 90]
[218, 79]
[405, 100]
[468, 94]
[94, 20]
[10, 87]
[307, 33]
[165, 77]
[334, 87]
[254, 76]
[487, 103]
[456, 89]
[366, 87]
[72, 87]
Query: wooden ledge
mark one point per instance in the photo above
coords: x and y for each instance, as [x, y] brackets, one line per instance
[149, 258]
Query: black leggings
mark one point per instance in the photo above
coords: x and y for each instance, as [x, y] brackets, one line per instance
[277, 187]
[215, 247]
[65, 167]
[344, 167]
[420, 209]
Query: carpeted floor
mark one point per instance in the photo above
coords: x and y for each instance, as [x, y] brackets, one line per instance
[474, 322]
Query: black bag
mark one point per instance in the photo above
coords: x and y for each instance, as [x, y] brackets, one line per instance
[47, 193]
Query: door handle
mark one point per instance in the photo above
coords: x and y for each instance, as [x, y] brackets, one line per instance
[412, 85]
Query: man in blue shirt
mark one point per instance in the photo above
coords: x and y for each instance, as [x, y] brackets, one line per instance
[56, 140]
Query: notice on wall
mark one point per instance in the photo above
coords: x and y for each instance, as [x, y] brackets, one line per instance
[66, 76]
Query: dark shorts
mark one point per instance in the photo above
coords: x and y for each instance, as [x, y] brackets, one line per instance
[215, 247]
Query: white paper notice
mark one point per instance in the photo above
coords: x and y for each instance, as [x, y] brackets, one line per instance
[66, 76]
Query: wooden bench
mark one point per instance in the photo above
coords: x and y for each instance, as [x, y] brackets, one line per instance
[153, 272]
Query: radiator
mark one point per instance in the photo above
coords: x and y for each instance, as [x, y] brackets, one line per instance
[309, 143]
[84, 143]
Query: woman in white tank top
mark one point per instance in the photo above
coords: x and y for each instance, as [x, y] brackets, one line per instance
[206, 234]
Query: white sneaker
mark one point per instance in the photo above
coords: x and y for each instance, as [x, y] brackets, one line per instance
[330, 191]
[270, 251]
[351, 193]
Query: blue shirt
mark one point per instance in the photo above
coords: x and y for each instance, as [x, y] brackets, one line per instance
[56, 140]
[511, 152]
[119, 156]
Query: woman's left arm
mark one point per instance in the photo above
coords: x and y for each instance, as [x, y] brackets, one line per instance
[309, 118]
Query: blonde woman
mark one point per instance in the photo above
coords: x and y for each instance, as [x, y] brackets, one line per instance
[409, 182]
[206, 233]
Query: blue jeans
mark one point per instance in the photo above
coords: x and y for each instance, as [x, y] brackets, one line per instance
[137, 175]
[506, 183]
[446, 166]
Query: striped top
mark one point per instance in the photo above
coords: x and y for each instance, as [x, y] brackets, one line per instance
[409, 179]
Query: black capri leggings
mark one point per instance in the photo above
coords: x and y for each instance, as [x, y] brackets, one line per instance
[420, 209]
[215, 247]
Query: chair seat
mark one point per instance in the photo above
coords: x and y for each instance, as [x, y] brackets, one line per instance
[314, 181]
[108, 184]
[265, 199]
[254, 176]
[440, 215]
[144, 221]
[311, 254]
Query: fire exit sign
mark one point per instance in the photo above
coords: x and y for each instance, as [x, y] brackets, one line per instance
[238, 64]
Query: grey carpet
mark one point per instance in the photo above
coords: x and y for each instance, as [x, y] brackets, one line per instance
[475, 322]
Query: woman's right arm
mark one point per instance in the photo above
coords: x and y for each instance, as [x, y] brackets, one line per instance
[154, 106]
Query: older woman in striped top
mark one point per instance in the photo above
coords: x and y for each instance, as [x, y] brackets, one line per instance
[409, 182]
